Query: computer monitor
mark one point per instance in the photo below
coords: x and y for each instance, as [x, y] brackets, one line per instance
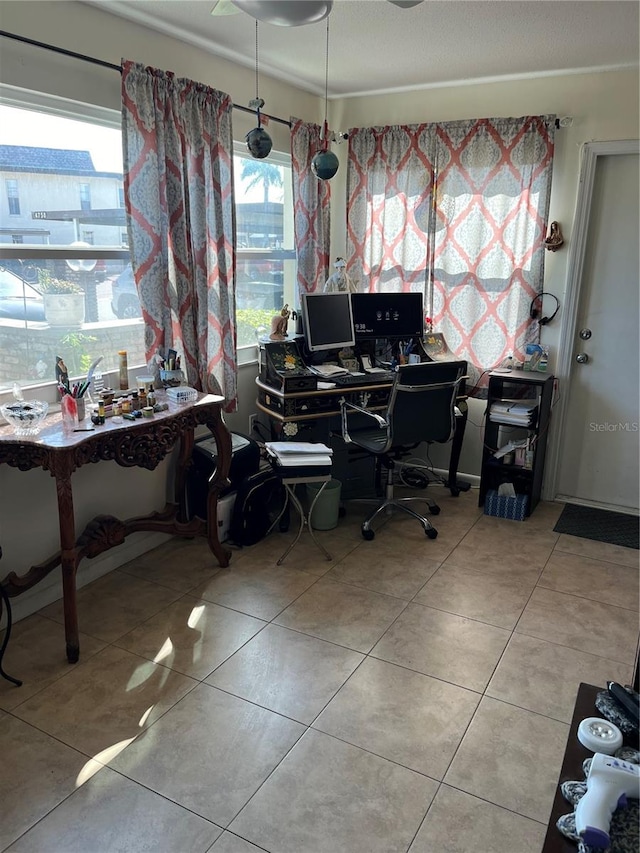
[387, 315]
[328, 321]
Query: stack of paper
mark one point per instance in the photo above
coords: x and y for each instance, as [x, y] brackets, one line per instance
[518, 413]
[299, 454]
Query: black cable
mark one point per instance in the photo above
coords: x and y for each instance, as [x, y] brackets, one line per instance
[534, 312]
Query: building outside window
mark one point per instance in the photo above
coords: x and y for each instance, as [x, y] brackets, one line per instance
[69, 223]
[13, 199]
[85, 197]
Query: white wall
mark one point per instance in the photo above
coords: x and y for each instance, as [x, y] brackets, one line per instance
[603, 106]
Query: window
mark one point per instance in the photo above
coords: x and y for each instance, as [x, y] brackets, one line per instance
[265, 255]
[13, 199]
[121, 197]
[67, 225]
[85, 197]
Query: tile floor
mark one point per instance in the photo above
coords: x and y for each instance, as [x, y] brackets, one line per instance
[409, 695]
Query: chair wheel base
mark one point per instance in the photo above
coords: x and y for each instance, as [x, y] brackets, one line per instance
[434, 510]
[431, 532]
[368, 534]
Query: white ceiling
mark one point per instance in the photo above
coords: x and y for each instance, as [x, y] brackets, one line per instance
[375, 46]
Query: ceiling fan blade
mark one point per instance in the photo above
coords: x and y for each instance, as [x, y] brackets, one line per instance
[286, 13]
[224, 7]
[405, 4]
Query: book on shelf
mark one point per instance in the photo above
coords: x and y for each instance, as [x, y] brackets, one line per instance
[514, 412]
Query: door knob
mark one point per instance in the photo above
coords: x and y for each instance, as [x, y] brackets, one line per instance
[585, 334]
[582, 358]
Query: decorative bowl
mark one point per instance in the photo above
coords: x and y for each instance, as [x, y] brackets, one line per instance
[25, 416]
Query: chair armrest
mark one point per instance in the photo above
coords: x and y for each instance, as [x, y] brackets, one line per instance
[344, 405]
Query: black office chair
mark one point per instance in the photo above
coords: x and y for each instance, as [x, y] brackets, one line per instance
[421, 408]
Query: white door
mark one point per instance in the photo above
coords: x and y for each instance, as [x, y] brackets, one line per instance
[598, 464]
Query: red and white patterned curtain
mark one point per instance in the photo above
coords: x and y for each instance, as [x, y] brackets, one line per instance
[178, 180]
[459, 208]
[312, 211]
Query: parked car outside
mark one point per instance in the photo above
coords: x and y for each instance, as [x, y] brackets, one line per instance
[18, 300]
[124, 296]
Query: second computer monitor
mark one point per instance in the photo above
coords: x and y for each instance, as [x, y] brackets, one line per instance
[387, 315]
[327, 321]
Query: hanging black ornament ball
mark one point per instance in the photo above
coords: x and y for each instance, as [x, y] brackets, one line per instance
[324, 165]
[259, 143]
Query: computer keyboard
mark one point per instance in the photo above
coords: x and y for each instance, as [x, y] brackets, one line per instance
[363, 379]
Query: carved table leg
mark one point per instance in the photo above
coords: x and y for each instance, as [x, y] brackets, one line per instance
[184, 461]
[68, 563]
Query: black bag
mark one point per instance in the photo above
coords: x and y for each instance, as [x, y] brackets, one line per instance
[259, 500]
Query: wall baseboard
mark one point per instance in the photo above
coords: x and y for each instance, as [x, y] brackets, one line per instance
[50, 589]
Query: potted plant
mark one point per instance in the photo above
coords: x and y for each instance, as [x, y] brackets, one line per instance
[63, 300]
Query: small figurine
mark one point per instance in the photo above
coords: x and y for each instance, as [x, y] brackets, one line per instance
[340, 281]
[279, 325]
[555, 238]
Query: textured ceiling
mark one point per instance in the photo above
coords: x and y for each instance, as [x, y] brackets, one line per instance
[378, 47]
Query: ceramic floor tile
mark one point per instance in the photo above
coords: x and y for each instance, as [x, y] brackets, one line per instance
[511, 758]
[36, 656]
[210, 752]
[598, 550]
[498, 546]
[544, 677]
[305, 556]
[179, 564]
[409, 718]
[106, 702]
[38, 772]
[458, 650]
[460, 823]
[496, 600]
[258, 588]
[230, 843]
[287, 672]
[396, 572]
[109, 809]
[404, 531]
[191, 636]
[608, 583]
[328, 796]
[343, 614]
[588, 626]
[114, 604]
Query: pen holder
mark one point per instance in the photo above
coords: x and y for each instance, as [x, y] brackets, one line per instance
[69, 409]
[82, 413]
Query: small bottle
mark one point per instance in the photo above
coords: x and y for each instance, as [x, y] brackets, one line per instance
[142, 396]
[126, 406]
[101, 415]
[123, 370]
[151, 396]
[135, 402]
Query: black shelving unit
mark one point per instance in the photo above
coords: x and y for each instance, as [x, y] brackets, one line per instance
[519, 387]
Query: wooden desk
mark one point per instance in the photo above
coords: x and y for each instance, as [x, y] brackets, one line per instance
[142, 443]
[291, 408]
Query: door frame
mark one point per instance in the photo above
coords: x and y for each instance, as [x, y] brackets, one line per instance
[591, 151]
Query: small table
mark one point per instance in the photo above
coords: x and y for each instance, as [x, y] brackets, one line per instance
[571, 770]
[142, 443]
[289, 481]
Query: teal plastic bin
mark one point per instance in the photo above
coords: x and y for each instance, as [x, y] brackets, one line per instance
[327, 508]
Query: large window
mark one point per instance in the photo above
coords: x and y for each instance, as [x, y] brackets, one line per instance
[65, 225]
[62, 217]
[265, 258]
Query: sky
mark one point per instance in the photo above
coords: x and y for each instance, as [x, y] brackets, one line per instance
[26, 127]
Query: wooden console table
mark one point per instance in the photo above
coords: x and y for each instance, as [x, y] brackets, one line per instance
[142, 443]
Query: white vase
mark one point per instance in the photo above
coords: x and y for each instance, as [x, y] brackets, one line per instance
[64, 309]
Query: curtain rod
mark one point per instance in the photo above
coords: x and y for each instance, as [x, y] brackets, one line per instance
[117, 68]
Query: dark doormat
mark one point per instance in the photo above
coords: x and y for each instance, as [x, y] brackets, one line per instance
[617, 528]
